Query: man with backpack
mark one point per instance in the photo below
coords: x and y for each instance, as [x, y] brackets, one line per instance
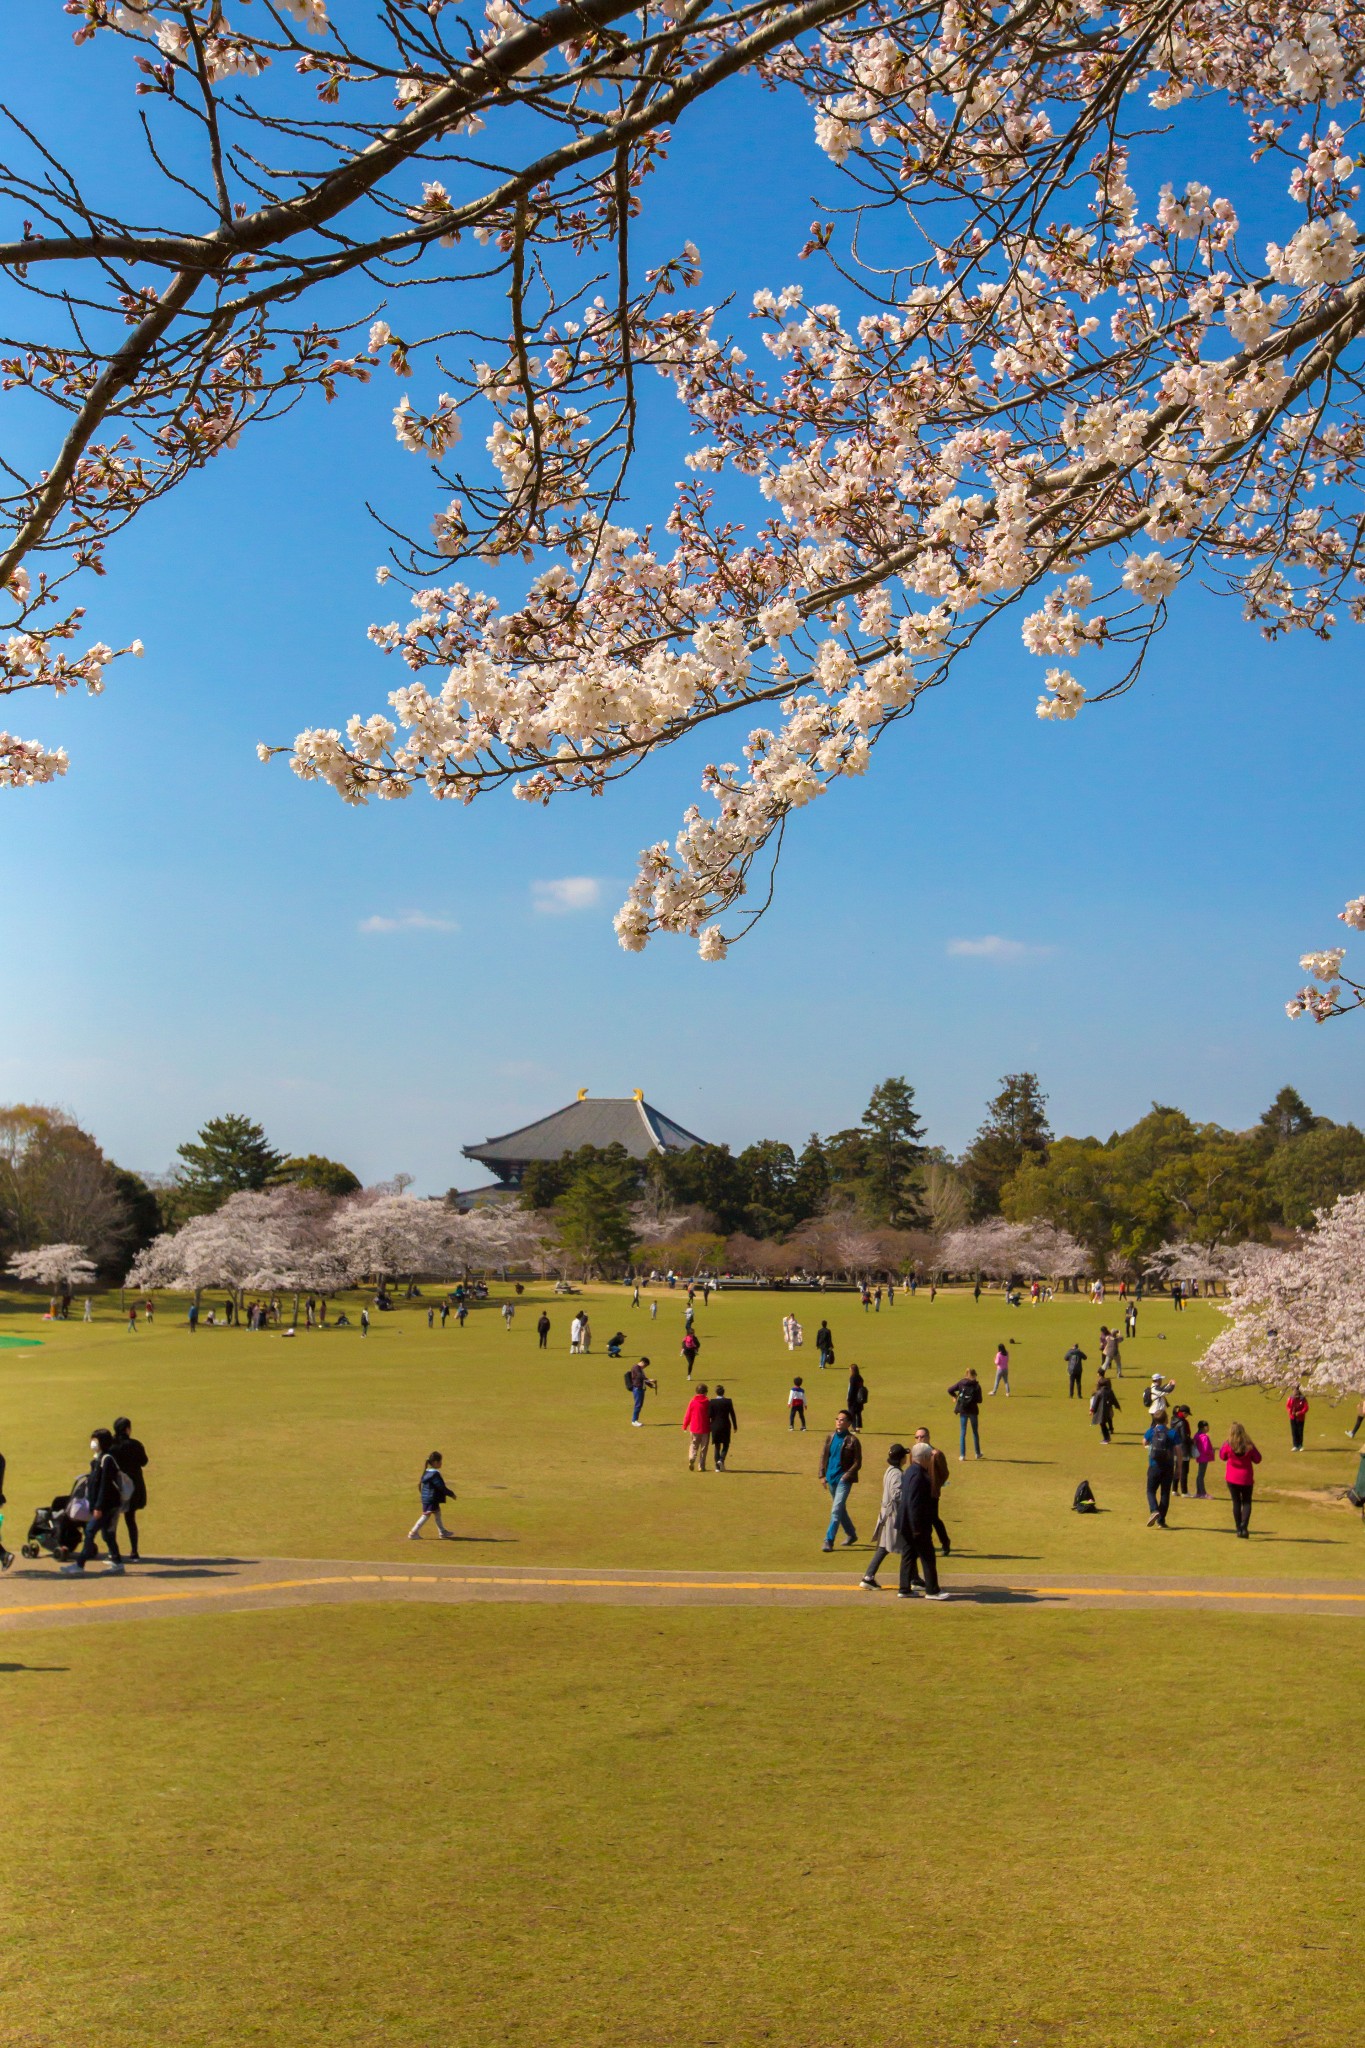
[1160, 1440]
[1074, 1362]
[105, 1494]
[966, 1398]
[637, 1379]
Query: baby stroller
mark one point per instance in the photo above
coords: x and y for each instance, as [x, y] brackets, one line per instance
[55, 1531]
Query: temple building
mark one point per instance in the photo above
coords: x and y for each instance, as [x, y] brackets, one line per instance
[601, 1120]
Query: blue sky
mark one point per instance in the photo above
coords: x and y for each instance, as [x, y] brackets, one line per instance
[188, 931]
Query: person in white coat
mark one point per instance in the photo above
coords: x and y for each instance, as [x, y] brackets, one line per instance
[886, 1536]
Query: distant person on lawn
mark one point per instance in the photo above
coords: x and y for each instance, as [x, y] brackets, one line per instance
[1296, 1407]
[639, 1381]
[1075, 1363]
[433, 1493]
[841, 1457]
[796, 1403]
[131, 1458]
[886, 1537]
[1002, 1369]
[691, 1345]
[697, 1423]
[543, 1330]
[824, 1345]
[1104, 1405]
[967, 1396]
[1160, 1438]
[724, 1423]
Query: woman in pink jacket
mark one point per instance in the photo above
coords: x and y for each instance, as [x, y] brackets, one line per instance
[1241, 1457]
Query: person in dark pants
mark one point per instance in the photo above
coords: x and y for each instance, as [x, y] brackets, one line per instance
[104, 1492]
[724, 1422]
[1104, 1405]
[917, 1521]
[857, 1397]
[1297, 1409]
[131, 1458]
[1160, 1439]
[543, 1330]
[6, 1556]
[1241, 1457]
[938, 1479]
[691, 1345]
[966, 1394]
[1075, 1361]
[824, 1346]
[886, 1537]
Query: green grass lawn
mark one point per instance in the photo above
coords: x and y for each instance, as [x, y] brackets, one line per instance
[384, 1826]
[310, 1446]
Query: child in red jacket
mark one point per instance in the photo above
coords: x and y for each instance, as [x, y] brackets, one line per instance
[1297, 1408]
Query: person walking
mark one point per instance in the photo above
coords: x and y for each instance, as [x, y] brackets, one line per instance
[433, 1494]
[824, 1345]
[509, 1309]
[88, 1315]
[461, 1312]
[1002, 1369]
[192, 1316]
[1360, 1417]
[691, 1345]
[585, 1333]
[1075, 1363]
[1296, 1407]
[131, 1458]
[967, 1394]
[132, 1317]
[724, 1424]
[1104, 1405]
[364, 1322]
[917, 1522]
[1183, 1430]
[6, 1556]
[576, 1334]
[1110, 1353]
[1130, 1319]
[1241, 1457]
[542, 1331]
[1203, 1458]
[697, 1423]
[856, 1397]
[1159, 1437]
[796, 1404]
[654, 1311]
[104, 1493]
[638, 1380]
[886, 1537]
[841, 1457]
[635, 1295]
[938, 1479]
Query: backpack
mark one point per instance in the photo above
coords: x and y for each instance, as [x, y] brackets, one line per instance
[630, 1383]
[1083, 1502]
[1147, 1397]
[126, 1490]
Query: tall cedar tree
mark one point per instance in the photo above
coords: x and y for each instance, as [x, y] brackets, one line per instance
[593, 1214]
[231, 1154]
[1015, 1129]
[894, 1154]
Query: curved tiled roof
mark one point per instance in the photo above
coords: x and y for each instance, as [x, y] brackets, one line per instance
[601, 1120]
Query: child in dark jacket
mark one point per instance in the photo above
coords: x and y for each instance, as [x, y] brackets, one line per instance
[434, 1493]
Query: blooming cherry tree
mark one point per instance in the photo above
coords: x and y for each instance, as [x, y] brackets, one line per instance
[1296, 1315]
[54, 1265]
[1036, 386]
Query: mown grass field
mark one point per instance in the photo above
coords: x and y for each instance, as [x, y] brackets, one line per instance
[310, 1446]
[383, 1826]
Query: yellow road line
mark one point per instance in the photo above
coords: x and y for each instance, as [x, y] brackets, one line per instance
[265, 1586]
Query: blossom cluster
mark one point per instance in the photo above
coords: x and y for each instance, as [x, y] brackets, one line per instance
[1295, 1315]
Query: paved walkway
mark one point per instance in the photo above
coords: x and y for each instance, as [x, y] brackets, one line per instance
[35, 1595]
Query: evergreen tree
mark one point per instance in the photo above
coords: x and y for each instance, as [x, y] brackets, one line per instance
[768, 1170]
[894, 1153]
[810, 1183]
[593, 1215]
[1015, 1130]
[328, 1176]
[229, 1155]
[1289, 1117]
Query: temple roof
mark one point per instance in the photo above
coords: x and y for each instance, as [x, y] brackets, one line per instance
[602, 1120]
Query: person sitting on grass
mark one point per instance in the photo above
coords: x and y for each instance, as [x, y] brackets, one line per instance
[434, 1494]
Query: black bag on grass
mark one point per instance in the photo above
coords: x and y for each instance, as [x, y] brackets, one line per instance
[1084, 1502]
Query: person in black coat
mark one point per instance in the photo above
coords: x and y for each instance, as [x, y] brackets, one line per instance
[857, 1396]
[917, 1525]
[724, 1421]
[104, 1491]
[6, 1556]
[131, 1457]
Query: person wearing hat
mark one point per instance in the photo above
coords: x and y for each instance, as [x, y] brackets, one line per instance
[886, 1536]
[1155, 1398]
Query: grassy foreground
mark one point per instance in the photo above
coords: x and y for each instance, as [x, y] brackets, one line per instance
[379, 1828]
[264, 1445]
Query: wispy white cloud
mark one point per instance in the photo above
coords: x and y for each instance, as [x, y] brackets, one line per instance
[1007, 952]
[407, 921]
[564, 895]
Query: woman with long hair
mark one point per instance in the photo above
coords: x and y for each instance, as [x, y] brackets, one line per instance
[1241, 1457]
